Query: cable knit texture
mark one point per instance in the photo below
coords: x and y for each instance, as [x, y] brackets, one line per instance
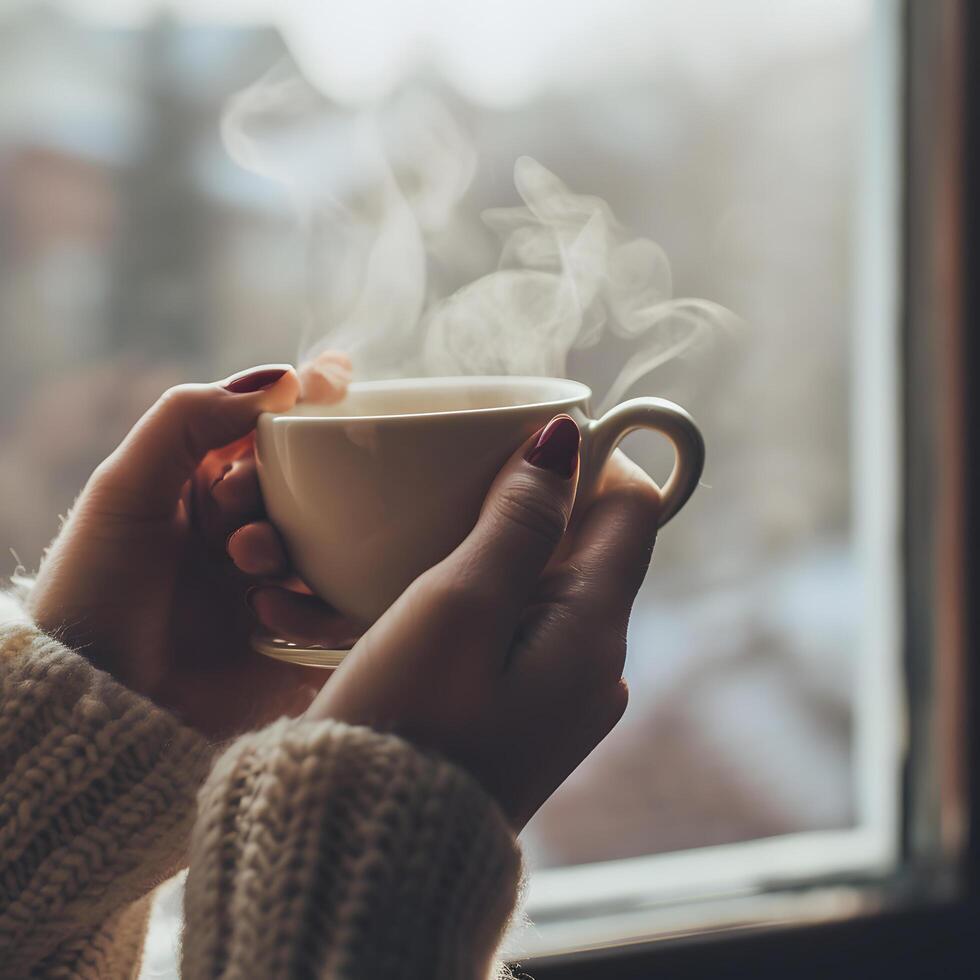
[96, 803]
[320, 850]
[325, 850]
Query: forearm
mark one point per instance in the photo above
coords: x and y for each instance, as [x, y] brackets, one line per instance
[332, 851]
[96, 802]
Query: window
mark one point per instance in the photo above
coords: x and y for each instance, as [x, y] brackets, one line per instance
[764, 743]
[769, 769]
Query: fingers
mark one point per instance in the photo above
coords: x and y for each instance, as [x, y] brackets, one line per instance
[227, 498]
[325, 378]
[575, 640]
[228, 493]
[474, 597]
[236, 491]
[302, 618]
[256, 549]
[145, 475]
[611, 549]
[521, 523]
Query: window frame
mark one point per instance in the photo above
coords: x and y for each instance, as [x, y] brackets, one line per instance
[920, 919]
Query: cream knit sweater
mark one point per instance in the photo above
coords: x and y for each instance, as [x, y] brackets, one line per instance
[316, 849]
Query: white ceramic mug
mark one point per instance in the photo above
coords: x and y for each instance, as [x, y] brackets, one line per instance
[369, 493]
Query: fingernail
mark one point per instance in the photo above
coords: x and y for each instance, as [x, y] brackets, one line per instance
[250, 596]
[228, 541]
[255, 381]
[225, 470]
[556, 448]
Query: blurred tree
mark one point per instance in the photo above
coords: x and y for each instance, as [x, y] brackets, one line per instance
[158, 303]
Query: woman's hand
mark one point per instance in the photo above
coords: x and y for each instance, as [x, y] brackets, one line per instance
[139, 580]
[507, 657]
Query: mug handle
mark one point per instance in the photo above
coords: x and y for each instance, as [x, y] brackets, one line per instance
[666, 418]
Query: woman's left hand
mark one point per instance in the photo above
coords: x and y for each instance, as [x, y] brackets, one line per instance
[139, 580]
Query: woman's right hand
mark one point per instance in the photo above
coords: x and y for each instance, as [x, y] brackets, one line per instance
[507, 657]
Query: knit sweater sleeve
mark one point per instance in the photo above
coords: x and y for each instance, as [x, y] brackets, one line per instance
[323, 850]
[97, 789]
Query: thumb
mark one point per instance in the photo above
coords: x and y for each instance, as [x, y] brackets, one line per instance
[522, 522]
[146, 474]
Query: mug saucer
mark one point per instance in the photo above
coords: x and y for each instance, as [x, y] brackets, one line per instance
[295, 653]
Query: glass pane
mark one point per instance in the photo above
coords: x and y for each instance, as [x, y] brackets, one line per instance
[139, 247]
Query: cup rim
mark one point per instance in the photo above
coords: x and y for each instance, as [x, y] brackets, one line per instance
[575, 393]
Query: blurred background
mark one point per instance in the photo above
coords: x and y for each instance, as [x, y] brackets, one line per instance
[135, 253]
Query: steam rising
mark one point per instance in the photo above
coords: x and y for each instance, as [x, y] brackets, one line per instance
[379, 199]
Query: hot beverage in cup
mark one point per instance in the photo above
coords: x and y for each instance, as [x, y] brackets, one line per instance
[370, 492]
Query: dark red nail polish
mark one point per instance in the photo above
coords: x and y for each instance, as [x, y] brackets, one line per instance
[256, 381]
[556, 448]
